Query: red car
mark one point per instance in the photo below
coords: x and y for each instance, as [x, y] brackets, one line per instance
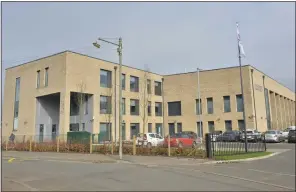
[181, 140]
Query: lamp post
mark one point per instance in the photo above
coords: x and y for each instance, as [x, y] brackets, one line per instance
[119, 51]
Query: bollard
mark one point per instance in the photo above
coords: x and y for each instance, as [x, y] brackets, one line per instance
[30, 144]
[169, 145]
[134, 145]
[58, 144]
[90, 143]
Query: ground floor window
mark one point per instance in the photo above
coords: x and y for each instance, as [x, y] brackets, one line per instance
[105, 132]
[134, 129]
[158, 127]
[199, 126]
[171, 128]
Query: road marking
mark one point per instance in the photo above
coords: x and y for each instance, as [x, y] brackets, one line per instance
[233, 177]
[10, 160]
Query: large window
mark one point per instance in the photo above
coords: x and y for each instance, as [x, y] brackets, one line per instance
[46, 77]
[210, 105]
[149, 86]
[228, 125]
[241, 125]
[211, 126]
[198, 107]
[134, 107]
[38, 79]
[149, 108]
[16, 103]
[105, 105]
[158, 127]
[199, 127]
[158, 109]
[105, 78]
[123, 106]
[227, 107]
[134, 84]
[157, 88]
[123, 81]
[239, 103]
[179, 127]
[174, 108]
[134, 129]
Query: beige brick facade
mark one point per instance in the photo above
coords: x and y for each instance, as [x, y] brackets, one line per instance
[68, 69]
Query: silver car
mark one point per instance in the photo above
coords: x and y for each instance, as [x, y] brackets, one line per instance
[274, 136]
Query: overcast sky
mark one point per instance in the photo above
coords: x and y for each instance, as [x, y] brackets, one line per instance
[166, 37]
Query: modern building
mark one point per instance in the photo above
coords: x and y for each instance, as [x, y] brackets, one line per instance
[69, 91]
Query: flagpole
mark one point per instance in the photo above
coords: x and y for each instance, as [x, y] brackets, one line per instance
[242, 90]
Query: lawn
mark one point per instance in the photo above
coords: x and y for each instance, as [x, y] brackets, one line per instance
[243, 156]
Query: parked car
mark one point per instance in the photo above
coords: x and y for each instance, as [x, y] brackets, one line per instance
[229, 136]
[287, 130]
[273, 136]
[149, 139]
[252, 135]
[215, 134]
[181, 140]
[292, 136]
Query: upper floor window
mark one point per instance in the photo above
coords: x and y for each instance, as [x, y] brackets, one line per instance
[198, 107]
[210, 105]
[123, 81]
[158, 109]
[134, 84]
[157, 88]
[239, 103]
[149, 86]
[149, 108]
[123, 106]
[226, 100]
[105, 105]
[174, 108]
[105, 78]
[134, 107]
[38, 79]
[46, 77]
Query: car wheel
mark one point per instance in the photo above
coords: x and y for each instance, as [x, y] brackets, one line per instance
[194, 144]
[180, 145]
[149, 145]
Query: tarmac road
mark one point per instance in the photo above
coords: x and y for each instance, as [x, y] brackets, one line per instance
[276, 173]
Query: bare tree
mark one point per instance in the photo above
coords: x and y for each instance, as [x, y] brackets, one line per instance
[145, 96]
[79, 99]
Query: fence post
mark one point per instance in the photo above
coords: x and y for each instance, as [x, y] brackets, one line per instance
[169, 145]
[90, 143]
[58, 143]
[134, 145]
[209, 146]
[30, 144]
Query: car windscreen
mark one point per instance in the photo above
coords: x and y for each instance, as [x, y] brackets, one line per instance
[250, 132]
[270, 132]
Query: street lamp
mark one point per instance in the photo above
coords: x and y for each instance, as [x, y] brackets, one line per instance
[119, 51]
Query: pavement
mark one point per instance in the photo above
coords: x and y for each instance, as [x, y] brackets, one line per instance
[93, 172]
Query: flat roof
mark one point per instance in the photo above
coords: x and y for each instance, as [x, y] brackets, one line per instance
[142, 69]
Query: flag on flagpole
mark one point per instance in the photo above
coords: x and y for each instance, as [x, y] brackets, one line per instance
[240, 44]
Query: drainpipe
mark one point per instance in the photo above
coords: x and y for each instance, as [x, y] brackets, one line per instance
[115, 112]
[252, 71]
[162, 94]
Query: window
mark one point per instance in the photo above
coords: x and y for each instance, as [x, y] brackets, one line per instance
[228, 125]
[134, 84]
[157, 88]
[85, 104]
[149, 108]
[134, 129]
[74, 107]
[174, 108]
[179, 127]
[123, 106]
[241, 125]
[38, 79]
[46, 77]
[74, 127]
[123, 81]
[134, 107]
[105, 105]
[171, 128]
[105, 78]
[16, 103]
[199, 126]
[239, 103]
[227, 107]
[149, 127]
[158, 109]
[149, 86]
[198, 107]
[210, 105]
[211, 126]
[158, 127]
[105, 132]
[123, 136]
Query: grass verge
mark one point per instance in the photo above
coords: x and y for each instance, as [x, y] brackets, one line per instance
[242, 156]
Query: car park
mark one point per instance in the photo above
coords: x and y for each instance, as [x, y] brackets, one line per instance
[229, 136]
[252, 135]
[181, 140]
[273, 136]
[149, 139]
